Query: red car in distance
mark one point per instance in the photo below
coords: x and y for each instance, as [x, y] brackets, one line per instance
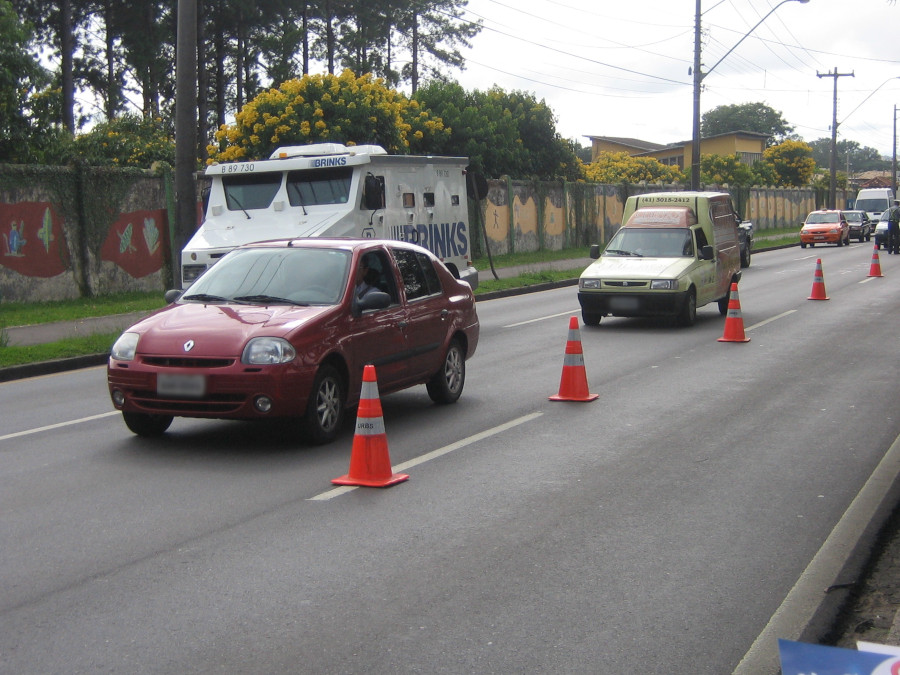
[278, 330]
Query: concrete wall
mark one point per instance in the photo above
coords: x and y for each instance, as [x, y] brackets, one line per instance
[69, 232]
[522, 216]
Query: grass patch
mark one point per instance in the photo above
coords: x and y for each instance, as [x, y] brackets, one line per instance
[27, 314]
[512, 259]
[774, 237]
[63, 349]
[527, 279]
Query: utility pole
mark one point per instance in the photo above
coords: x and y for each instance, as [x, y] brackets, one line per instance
[832, 185]
[894, 156]
[185, 133]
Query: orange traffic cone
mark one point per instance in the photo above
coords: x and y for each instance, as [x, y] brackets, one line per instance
[573, 384]
[875, 268]
[818, 289]
[734, 324]
[370, 465]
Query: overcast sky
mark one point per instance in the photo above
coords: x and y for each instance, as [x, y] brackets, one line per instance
[621, 67]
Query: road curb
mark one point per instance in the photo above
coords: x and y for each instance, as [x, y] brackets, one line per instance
[810, 611]
[49, 367]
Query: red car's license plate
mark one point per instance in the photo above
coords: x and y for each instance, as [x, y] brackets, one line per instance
[817, 237]
[182, 386]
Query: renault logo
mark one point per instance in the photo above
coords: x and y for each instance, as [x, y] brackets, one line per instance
[189, 345]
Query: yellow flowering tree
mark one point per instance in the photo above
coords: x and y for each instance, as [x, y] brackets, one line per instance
[620, 167]
[327, 108]
[790, 163]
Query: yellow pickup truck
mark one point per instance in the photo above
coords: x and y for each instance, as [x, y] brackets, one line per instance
[675, 252]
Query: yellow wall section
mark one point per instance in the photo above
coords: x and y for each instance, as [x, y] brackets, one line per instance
[554, 220]
[525, 220]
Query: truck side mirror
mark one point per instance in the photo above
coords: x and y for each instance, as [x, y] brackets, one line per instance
[373, 193]
[707, 253]
[595, 251]
[477, 185]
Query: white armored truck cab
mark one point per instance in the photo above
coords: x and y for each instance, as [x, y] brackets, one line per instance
[333, 190]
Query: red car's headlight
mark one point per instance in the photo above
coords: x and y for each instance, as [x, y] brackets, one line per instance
[263, 351]
[125, 347]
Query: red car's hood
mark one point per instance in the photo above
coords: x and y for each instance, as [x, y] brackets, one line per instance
[217, 330]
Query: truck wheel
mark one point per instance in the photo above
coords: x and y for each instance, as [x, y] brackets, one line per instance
[590, 318]
[745, 258]
[325, 408]
[446, 385]
[688, 314]
[145, 425]
[723, 304]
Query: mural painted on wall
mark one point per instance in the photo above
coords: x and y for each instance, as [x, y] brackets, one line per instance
[33, 240]
[135, 242]
[497, 224]
[525, 215]
[554, 222]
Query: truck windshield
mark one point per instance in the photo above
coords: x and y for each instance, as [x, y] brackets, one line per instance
[319, 186]
[871, 204]
[653, 242]
[250, 191]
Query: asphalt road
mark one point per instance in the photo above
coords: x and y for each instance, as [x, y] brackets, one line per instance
[658, 529]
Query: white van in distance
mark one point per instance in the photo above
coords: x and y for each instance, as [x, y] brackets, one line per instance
[874, 201]
[333, 190]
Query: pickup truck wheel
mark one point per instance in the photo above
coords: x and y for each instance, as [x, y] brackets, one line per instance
[688, 314]
[145, 425]
[325, 408]
[745, 258]
[591, 318]
[723, 304]
[446, 385]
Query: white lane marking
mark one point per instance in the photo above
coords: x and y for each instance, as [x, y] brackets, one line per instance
[771, 319]
[28, 432]
[868, 279]
[434, 454]
[542, 318]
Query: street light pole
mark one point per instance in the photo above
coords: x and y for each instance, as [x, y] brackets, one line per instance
[698, 84]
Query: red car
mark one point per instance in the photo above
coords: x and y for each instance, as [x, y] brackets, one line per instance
[283, 329]
[825, 227]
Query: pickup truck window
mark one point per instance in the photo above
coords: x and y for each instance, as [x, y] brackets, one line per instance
[653, 242]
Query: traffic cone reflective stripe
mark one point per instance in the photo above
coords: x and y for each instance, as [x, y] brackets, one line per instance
[370, 463]
[818, 287]
[734, 324]
[875, 267]
[573, 384]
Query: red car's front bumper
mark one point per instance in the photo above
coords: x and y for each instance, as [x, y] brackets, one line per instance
[230, 389]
